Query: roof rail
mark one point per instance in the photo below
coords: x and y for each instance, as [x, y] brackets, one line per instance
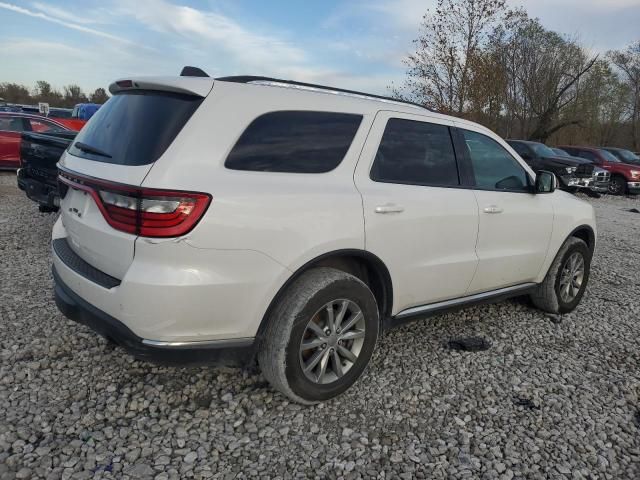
[313, 86]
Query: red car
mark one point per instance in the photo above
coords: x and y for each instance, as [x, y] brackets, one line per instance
[11, 127]
[625, 178]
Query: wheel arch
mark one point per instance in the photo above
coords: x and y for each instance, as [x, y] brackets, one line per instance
[586, 233]
[362, 264]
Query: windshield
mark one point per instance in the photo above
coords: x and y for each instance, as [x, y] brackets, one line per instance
[608, 156]
[134, 128]
[628, 156]
[542, 150]
[559, 152]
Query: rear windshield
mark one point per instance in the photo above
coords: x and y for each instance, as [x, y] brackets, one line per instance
[135, 127]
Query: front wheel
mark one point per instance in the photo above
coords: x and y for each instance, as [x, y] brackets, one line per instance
[320, 337]
[566, 280]
[617, 185]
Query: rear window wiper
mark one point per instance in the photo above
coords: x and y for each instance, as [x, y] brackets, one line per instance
[89, 149]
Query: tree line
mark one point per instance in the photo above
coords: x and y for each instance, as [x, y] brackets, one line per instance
[480, 60]
[69, 96]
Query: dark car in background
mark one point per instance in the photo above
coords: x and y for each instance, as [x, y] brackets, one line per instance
[625, 178]
[38, 175]
[601, 177]
[573, 173]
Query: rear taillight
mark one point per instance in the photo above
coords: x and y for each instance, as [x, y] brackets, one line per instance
[147, 212]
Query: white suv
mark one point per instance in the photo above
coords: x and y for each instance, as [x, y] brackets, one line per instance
[241, 218]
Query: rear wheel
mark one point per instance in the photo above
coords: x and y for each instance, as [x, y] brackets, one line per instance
[320, 337]
[618, 185]
[566, 280]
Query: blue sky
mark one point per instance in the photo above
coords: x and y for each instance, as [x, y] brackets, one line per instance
[356, 44]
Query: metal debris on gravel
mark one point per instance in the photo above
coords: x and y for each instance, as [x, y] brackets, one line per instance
[73, 408]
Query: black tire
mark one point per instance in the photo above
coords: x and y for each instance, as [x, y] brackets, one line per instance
[280, 356]
[618, 185]
[547, 296]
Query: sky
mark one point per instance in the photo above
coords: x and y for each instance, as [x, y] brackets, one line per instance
[357, 44]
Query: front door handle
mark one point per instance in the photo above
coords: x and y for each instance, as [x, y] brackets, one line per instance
[493, 209]
[389, 208]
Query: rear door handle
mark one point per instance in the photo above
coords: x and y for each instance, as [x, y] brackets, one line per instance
[389, 208]
[493, 209]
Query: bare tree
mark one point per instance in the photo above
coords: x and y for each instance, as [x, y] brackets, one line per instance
[99, 96]
[628, 62]
[440, 71]
[73, 94]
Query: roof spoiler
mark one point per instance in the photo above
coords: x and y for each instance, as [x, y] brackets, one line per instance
[193, 72]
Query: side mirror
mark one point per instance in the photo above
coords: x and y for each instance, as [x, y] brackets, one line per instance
[546, 182]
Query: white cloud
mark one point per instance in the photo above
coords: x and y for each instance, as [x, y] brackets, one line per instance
[248, 48]
[64, 23]
[62, 13]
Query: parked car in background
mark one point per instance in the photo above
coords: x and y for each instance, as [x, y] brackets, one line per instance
[573, 173]
[12, 124]
[626, 156]
[38, 174]
[186, 246]
[84, 111]
[56, 112]
[559, 152]
[625, 178]
[601, 178]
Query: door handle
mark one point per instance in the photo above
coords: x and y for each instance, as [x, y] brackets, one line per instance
[389, 208]
[493, 209]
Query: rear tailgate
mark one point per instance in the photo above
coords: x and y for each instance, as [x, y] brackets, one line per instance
[119, 146]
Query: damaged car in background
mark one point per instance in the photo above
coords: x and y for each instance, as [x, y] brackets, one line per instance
[38, 174]
[573, 173]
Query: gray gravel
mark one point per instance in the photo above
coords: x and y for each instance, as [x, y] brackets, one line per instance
[551, 398]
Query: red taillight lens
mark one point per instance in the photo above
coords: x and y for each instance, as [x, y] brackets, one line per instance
[140, 211]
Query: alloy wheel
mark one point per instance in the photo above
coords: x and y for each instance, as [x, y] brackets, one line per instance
[332, 341]
[571, 277]
[616, 186]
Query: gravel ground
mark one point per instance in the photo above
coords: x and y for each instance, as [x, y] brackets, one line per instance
[551, 398]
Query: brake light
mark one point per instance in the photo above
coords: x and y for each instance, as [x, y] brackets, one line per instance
[147, 212]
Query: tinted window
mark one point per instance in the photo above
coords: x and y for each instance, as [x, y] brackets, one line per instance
[560, 152]
[542, 150]
[415, 153]
[493, 167]
[586, 154]
[136, 127]
[608, 156]
[626, 155]
[294, 142]
[11, 124]
[521, 149]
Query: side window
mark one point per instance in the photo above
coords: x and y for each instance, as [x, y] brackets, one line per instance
[11, 124]
[587, 155]
[493, 167]
[415, 153]
[295, 142]
[42, 126]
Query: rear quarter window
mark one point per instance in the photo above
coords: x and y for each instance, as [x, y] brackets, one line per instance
[294, 142]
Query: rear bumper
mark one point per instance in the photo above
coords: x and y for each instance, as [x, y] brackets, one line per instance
[219, 352]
